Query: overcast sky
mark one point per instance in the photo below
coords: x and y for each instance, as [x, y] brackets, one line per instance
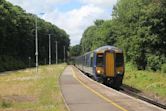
[74, 16]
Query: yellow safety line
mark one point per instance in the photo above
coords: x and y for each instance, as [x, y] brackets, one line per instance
[98, 94]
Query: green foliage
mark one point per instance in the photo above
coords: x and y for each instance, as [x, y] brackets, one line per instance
[138, 27]
[6, 104]
[10, 63]
[163, 68]
[99, 22]
[75, 50]
[147, 81]
[141, 26]
[86, 41]
[97, 36]
[154, 62]
[17, 38]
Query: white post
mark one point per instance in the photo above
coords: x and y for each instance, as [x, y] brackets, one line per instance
[56, 52]
[36, 42]
[64, 54]
[49, 49]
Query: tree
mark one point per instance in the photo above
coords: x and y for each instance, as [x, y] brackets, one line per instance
[17, 38]
[75, 50]
[138, 27]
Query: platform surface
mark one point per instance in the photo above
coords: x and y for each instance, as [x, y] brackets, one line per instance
[79, 97]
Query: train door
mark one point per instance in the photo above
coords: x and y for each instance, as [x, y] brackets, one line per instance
[109, 64]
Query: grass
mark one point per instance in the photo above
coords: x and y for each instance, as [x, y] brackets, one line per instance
[146, 81]
[27, 91]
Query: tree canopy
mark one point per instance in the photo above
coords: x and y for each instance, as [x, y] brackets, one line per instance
[17, 38]
[75, 50]
[138, 27]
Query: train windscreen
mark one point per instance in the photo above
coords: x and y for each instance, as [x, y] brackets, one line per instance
[100, 60]
[119, 59]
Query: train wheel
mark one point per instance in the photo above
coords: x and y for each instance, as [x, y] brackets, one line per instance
[105, 81]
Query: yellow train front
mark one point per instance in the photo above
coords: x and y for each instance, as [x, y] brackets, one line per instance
[105, 64]
[109, 67]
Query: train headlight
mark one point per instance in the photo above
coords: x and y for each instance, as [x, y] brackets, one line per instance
[119, 73]
[98, 71]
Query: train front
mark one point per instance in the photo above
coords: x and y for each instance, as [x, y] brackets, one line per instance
[110, 66]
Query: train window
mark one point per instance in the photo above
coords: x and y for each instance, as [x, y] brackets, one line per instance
[119, 59]
[100, 60]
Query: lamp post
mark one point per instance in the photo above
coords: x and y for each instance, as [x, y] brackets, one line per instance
[36, 42]
[49, 49]
[56, 52]
[64, 53]
[56, 49]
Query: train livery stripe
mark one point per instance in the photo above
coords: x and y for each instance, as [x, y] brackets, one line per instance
[98, 94]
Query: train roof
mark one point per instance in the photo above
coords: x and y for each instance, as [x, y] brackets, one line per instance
[107, 47]
[103, 49]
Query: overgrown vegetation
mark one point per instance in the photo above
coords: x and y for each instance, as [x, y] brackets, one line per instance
[152, 83]
[163, 68]
[17, 38]
[138, 27]
[26, 90]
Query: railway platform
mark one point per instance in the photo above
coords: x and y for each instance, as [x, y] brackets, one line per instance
[83, 94]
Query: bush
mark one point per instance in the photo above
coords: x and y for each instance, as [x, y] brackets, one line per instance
[129, 66]
[6, 104]
[163, 68]
[8, 63]
[154, 62]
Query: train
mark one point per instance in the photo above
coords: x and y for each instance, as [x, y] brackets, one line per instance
[105, 64]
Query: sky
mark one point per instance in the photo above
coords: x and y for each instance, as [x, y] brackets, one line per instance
[74, 16]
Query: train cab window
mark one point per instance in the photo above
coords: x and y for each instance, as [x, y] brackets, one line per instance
[119, 59]
[100, 60]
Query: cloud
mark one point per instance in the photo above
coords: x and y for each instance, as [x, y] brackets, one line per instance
[77, 20]
[37, 6]
[100, 3]
[74, 20]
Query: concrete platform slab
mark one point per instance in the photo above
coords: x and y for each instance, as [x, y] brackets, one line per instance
[83, 94]
[78, 98]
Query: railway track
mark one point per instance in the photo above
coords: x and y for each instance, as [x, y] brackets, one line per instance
[136, 93]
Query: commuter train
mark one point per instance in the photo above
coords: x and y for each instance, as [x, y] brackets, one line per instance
[105, 64]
